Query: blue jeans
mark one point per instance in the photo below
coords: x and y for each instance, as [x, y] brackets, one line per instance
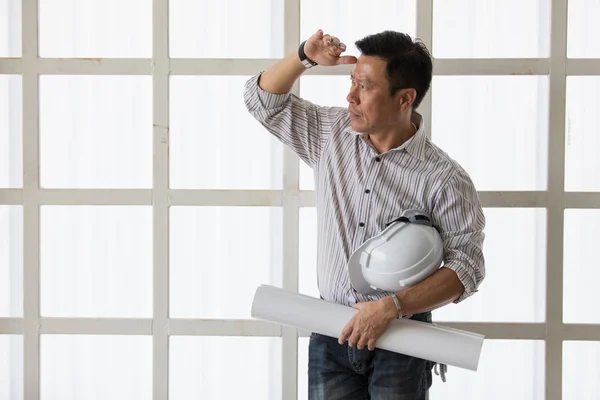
[337, 371]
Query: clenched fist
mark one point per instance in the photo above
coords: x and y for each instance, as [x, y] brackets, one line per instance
[326, 50]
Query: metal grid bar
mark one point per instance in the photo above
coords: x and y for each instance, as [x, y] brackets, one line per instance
[11, 196]
[213, 327]
[11, 326]
[247, 327]
[95, 197]
[191, 66]
[261, 198]
[96, 326]
[425, 33]
[94, 66]
[291, 224]
[160, 199]
[582, 200]
[583, 66]
[580, 332]
[506, 66]
[31, 211]
[556, 201]
[11, 66]
[269, 198]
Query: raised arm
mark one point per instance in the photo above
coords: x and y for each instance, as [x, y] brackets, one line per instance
[323, 49]
[299, 124]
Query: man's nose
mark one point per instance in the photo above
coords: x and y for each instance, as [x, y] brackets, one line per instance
[351, 98]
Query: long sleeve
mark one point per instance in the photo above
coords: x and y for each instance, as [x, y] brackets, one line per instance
[459, 217]
[298, 123]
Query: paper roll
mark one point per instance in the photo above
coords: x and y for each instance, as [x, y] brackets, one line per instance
[414, 338]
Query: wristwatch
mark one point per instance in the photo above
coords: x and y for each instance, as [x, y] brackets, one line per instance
[308, 63]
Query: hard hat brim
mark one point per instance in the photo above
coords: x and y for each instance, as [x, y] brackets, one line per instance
[357, 278]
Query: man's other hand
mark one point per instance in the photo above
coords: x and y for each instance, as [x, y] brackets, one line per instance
[367, 325]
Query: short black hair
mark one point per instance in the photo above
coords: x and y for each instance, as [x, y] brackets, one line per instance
[408, 61]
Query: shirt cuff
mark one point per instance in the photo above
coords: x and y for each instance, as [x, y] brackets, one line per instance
[466, 278]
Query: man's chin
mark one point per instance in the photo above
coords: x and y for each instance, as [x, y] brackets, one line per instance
[357, 126]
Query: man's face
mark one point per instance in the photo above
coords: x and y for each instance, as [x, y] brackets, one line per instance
[372, 109]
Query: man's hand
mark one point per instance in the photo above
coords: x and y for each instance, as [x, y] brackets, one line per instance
[326, 50]
[368, 323]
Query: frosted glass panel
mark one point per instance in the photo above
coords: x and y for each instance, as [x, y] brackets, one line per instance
[96, 131]
[219, 256]
[502, 141]
[581, 370]
[303, 368]
[508, 369]
[307, 274]
[95, 28]
[214, 142]
[224, 368]
[515, 246]
[10, 34]
[11, 261]
[11, 131]
[351, 20]
[580, 270]
[11, 367]
[96, 261]
[95, 367]
[226, 29]
[491, 28]
[325, 91]
[583, 29]
[582, 141]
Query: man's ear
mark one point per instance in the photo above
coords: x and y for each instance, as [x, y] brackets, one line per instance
[406, 98]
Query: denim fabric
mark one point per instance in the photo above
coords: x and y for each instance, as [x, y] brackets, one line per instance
[340, 372]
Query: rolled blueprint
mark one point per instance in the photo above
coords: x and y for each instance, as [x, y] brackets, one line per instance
[414, 338]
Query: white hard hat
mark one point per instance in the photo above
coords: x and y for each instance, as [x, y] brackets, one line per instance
[407, 251]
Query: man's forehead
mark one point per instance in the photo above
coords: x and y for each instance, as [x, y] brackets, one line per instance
[368, 68]
[360, 74]
[363, 77]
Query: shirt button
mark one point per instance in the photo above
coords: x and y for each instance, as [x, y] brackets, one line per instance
[361, 224]
[367, 191]
[378, 159]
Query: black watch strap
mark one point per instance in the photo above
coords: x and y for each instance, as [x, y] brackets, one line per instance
[308, 63]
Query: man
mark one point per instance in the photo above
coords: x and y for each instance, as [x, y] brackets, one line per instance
[372, 162]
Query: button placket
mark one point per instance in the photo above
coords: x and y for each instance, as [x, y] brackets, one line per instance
[367, 191]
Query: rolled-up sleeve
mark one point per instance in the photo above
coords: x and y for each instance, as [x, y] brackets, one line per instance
[298, 123]
[459, 216]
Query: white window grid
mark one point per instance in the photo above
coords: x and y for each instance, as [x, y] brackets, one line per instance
[555, 200]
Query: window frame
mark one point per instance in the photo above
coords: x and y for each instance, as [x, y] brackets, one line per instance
[555, 199]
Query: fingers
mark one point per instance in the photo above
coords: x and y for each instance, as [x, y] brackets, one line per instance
[362, 342]
[346, 332]
[334, 43]
[372, 344]
[353, 340]
[346, 60]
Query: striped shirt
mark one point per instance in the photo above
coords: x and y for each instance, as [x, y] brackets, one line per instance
[358, 190]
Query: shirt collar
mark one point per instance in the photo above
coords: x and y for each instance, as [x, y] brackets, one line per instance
[415, 146]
